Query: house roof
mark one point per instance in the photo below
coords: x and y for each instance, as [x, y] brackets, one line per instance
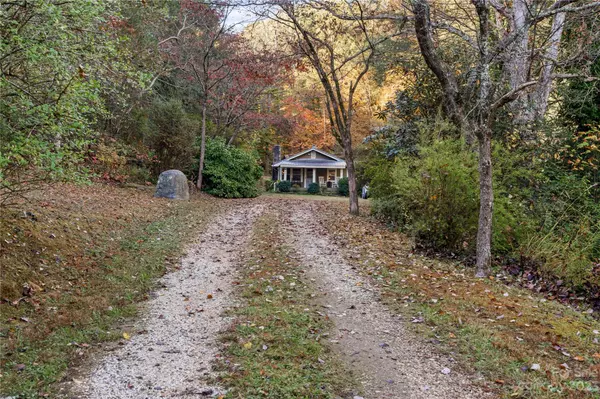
[311, 163]
[331, 162]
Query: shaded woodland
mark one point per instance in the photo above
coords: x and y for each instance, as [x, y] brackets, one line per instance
[475, 124]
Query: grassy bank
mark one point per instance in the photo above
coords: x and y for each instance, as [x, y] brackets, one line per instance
[528, 345]
[274, 348]
[75, 262]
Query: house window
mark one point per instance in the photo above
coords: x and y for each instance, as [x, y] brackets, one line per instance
[331, 174]
[296, 174]
[313, 155]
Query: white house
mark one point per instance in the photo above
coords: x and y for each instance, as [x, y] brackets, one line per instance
[312, 165]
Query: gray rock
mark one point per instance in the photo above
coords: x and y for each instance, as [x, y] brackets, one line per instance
[172, 184]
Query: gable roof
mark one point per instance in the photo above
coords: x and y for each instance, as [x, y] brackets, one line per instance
[333, 160]
[311, 163]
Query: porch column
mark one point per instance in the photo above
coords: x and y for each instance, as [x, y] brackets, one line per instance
[285, 174]
[314, 175]
[279, 173]
[304, 177]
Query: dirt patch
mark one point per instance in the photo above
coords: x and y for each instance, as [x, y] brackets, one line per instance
[169, 353]
[392, 362]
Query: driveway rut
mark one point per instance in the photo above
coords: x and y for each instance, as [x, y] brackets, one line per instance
[170, 354]
[389, 361]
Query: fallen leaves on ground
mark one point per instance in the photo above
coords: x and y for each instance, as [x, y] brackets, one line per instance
[75, 257]
[497, 330]
[274, 347]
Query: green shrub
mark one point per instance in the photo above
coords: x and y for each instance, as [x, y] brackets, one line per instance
[545, 210]
[343, 187]
[49, 116]
[435, 197]
[269, 185]
[171, 132]
[441, 195]
[557, 212]
[314, 188]
[564, 235]
[284, 186]
[230, 172]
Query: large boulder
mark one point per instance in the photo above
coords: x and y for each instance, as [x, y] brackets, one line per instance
[172, 184]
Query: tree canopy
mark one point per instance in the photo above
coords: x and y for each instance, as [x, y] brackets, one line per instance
[123, 90]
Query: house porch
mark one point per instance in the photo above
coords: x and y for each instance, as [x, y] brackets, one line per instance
[303, 177]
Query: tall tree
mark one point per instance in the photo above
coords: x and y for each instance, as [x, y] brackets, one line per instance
[475, 110]
[515, 47]
[241, 101]
[341, 53]
[201, 51]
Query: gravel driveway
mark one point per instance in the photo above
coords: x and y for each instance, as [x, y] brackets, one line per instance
[169, 354]
[390, 361]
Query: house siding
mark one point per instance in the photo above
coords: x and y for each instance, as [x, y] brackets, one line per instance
[308, 155]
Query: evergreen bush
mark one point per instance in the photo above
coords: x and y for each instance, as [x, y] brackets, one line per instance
[284, 186]
[230, 172]
[343, 188]
[314, 188]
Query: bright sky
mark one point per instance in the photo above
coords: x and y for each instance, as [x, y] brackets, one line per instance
[240, 16]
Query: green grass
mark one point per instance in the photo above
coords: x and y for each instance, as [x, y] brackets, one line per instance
[274, 349]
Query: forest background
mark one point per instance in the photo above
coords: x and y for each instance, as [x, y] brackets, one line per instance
[120, 91]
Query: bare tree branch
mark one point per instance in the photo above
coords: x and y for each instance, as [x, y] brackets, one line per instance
[557, 8]
[455, 31]
[181, 30]
[512, 95]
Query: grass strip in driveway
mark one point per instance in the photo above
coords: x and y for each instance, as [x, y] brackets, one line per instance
[275, 347]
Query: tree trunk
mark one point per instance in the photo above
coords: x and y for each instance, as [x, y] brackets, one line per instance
[445, 76]
[517, 65]
[349, 155]
[202, 147]
[486, 202]
[542, 92]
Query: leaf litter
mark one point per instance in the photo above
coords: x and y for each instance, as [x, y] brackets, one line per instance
[490, 328]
